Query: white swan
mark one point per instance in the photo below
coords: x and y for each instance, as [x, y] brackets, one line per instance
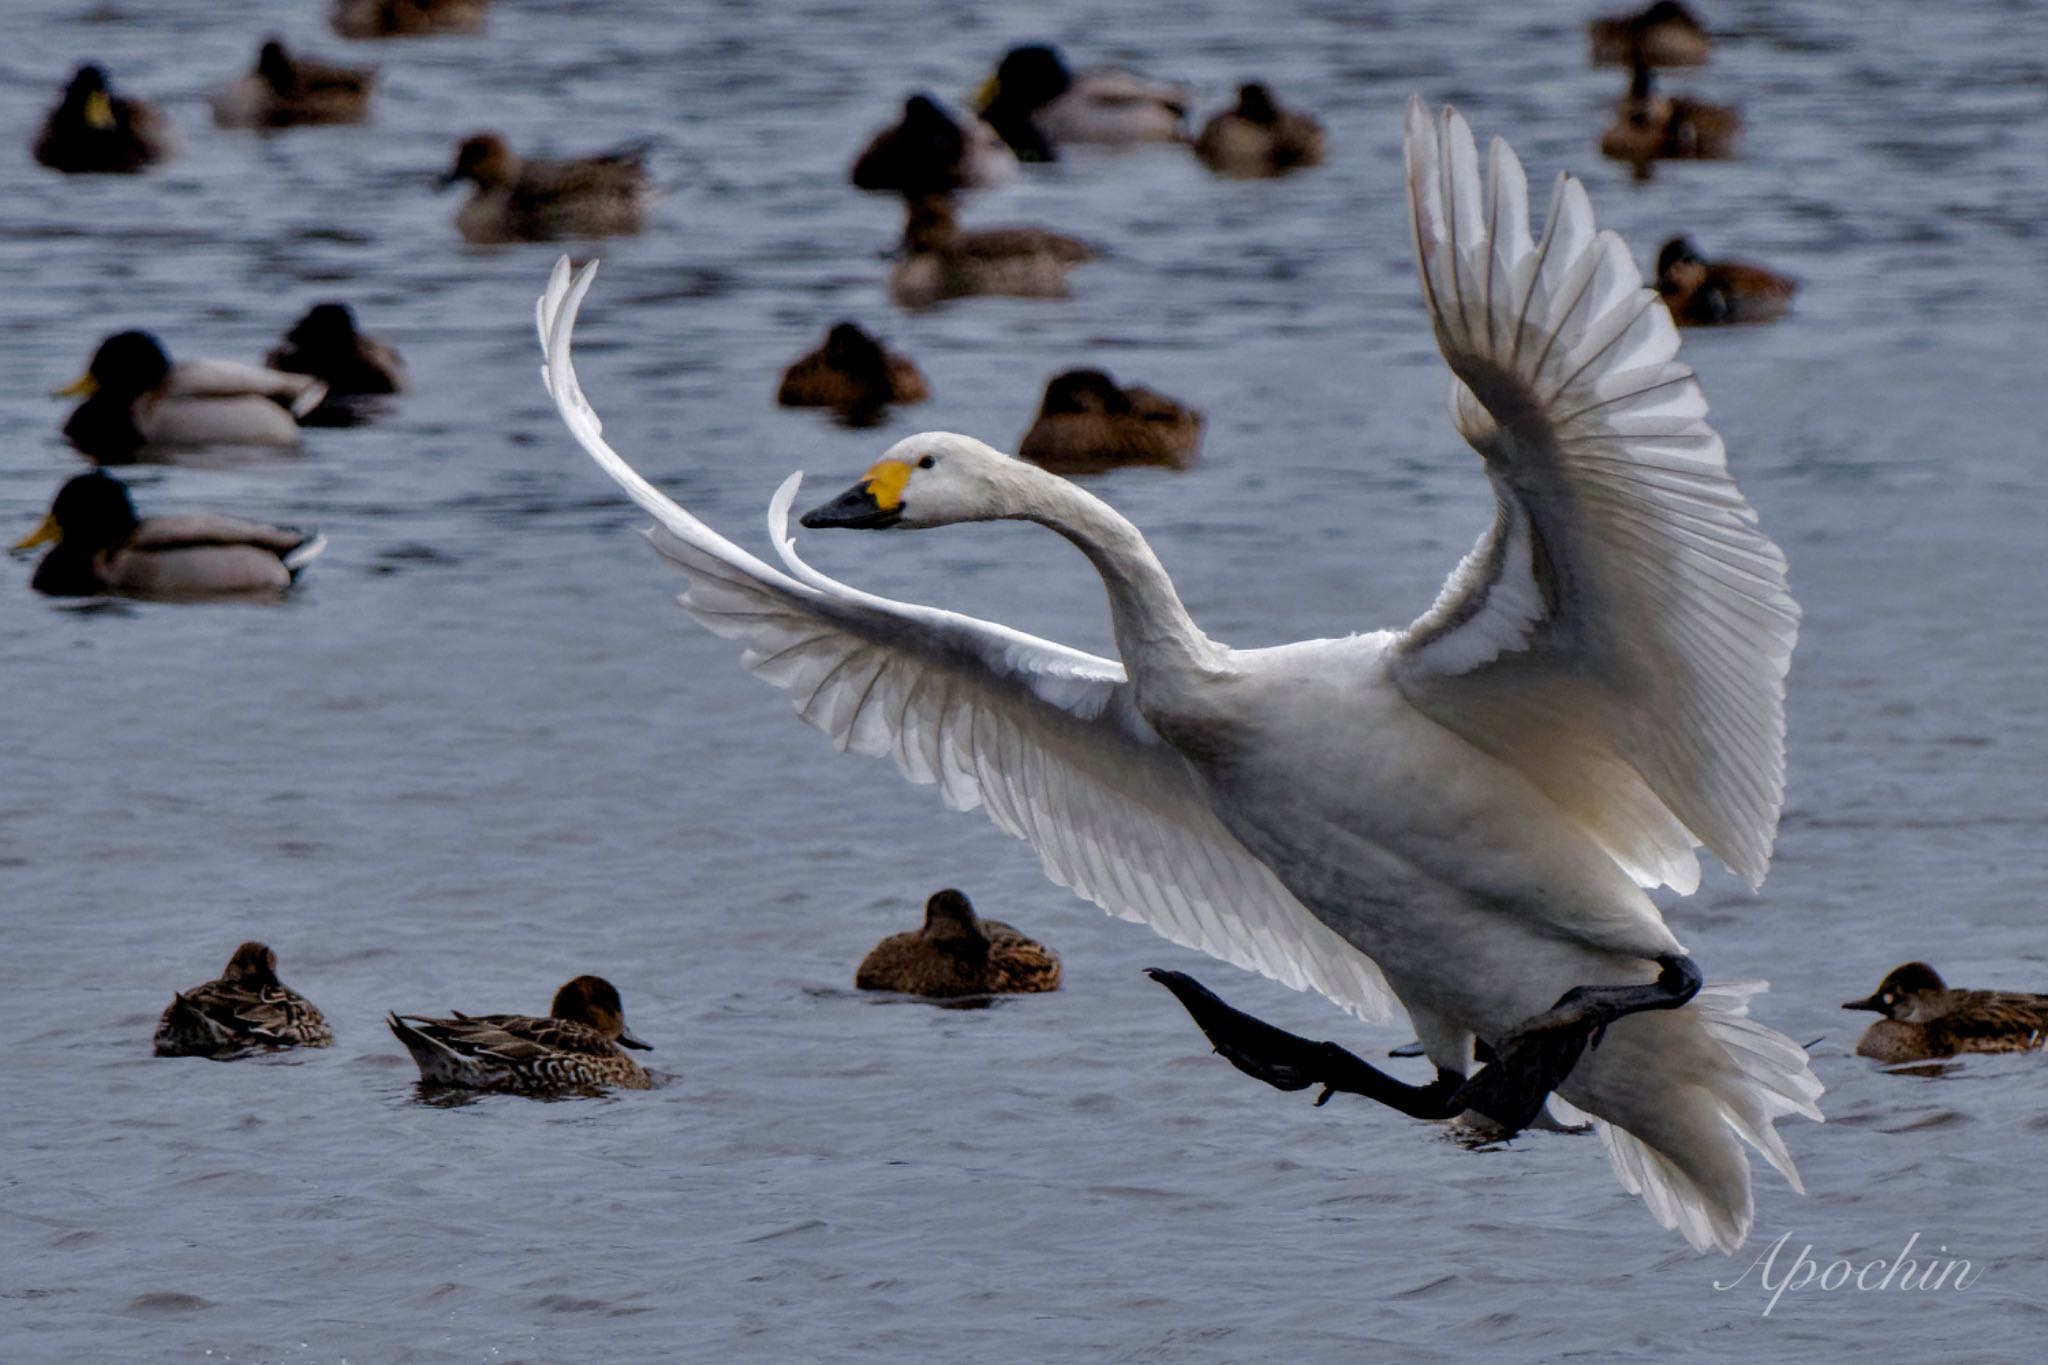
[1464, 811]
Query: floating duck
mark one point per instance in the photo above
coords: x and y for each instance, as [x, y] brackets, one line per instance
[1925, 1019]
[138, 400]
[94, 131]
[928, 151]
[285, 90]
[1649, 127]
[958, 953]
[102, 546]
[407, 18]
[1035, 103]
[1704, 293]
[246, 1009]
[326, 345]
[853, 374]
[529, 199]
[580, 1046]
[1088, 422]
[942, 260]
[1259, 138]
[1665, 34]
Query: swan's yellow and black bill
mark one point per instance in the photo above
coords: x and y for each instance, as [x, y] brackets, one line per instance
[42, 535]
[85, 386]
[870, 505]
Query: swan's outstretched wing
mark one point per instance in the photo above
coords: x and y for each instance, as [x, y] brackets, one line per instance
[1622, 631]
[1045, 737]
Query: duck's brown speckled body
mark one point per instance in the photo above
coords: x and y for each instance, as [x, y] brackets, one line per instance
[1925, 1019]
[247, 1009]
[580, 1046]
[942, 260]
[958, 953]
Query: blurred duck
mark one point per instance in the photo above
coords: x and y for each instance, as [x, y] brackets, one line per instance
[580, 1046]
[1259, 138]
[1035, 103]
[928, 152]
[958, 953]
[1649, 127]
[93, 130]
[102, 546]
[1703, 293]
[852, 374]
[1665, 34]
[136, 399]
[941, 260]
[407, 18]
[1925, 1019]
[246, 1010]
[527, 199]
[1088, 423]
[285, 90]
[326, 345]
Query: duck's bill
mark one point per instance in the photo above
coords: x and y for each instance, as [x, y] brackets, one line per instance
[985, 93]
[85, 386]
[99, 111]
[627, 1038]
[855, 510]
[42, 535]
[1867, 1003]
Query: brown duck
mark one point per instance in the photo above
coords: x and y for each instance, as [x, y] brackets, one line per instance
[1087, 423]
[1924, 1019]
[405, 18]
[958, 953]
[531, 199]
[1259, 138]
[854, 375]
[284, 90]
[1649, 127]
[1704, 293]
[246, 1009]
[1665, 34]
[580, 1046]
[94, 131]
[942, 260]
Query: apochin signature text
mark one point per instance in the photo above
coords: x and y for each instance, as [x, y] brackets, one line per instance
[1902, 1271]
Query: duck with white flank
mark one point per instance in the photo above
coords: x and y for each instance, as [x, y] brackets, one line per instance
[1036, 104]
[138, 401]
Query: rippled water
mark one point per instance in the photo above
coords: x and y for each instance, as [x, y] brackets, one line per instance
[482, 751]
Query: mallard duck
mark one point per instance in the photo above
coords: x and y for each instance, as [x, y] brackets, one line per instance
[326, 345]
[1665, 34]
[1924, 1019]
[1088, 422]
[958, 953]
[102, 546]
[853, 374]
[284, 90]
[941, 260]
[580, 1046]
[928, 151]
[1649, 127]
[137, 398]
[94, 130]
[1703, 293]
[406, 18]
[1259, 138]
[527, 199]
[1035, 103]
[247, 1009]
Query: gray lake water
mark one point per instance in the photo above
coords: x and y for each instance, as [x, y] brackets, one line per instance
[482, 751]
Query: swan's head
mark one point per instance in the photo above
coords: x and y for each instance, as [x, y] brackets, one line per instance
[935, 478]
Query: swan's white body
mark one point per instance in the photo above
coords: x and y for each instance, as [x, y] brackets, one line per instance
[1466, 811]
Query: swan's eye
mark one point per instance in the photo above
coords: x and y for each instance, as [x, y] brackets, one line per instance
[927, 462]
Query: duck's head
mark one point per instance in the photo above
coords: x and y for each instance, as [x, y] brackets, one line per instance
[936, 478]
[1028, 77]
[949, 918]
[1680, 269]
[252, 965]
[275, 66]
[1664, 12]
[921, 114]
[127, 365]
[1255, 105]
[328, 329]
[92, 511]
[484, 160]
[1078, 391]
[87, 98]
[594, 1002]
[1896, 994]
[851, 351]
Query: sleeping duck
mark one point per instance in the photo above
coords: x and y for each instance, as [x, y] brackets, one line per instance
[284, 90]
[1088, 423]
[406, 18]
[927, 151]
[1703, 293]
[137, 399]
[1666, 34]
[958, 953]
[1036, 104]
[326, 345]
[1649, 127]
[102, 546]
[1259, 138]
[528, 199]
[580, 1046]
[92, 130]
[942, 260]
[246, 1009]
[1924, 1018]
[854, 375]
